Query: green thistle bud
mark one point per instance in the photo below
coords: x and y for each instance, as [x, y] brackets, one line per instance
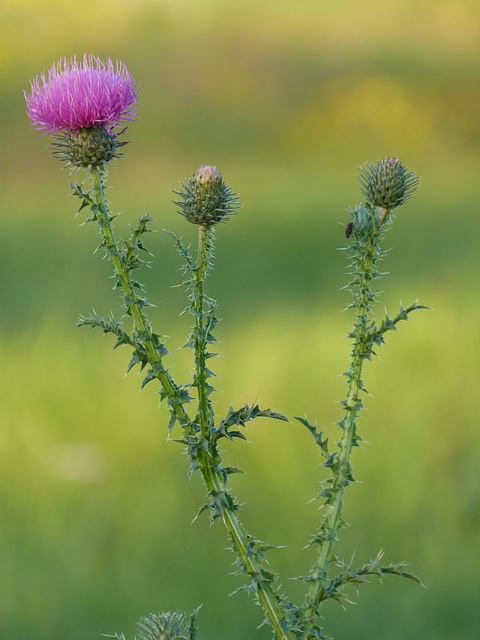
[206, 199]
[84, 147]
[387, 184]
[167, 626]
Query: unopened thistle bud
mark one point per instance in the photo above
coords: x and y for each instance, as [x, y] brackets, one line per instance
[87, 146]
[206, 199]
[387, 184]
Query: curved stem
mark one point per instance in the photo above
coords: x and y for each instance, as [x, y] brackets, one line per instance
[240, 541]
[207, 458]
[142, 325]
[365, 258]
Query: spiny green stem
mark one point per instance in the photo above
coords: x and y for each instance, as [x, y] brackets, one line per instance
[352, 403]
[211, 474]
[208, 459]
[141, 323]
[239, 537]
[204, 409]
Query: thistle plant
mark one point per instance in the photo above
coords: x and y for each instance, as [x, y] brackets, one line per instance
[85, 106]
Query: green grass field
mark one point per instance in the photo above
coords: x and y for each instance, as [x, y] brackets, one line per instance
[287, 99]
[97, 508]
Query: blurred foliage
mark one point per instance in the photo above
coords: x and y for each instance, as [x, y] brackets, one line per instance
[286, 98]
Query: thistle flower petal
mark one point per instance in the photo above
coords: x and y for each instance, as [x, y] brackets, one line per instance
[76, 95]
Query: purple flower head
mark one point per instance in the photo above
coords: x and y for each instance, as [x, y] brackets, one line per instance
[77, 96]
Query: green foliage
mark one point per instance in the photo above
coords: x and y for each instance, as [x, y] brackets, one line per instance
[148, 347]
[206, 201]
[386, 185]
[83, 402]
[239, 418]
[166, 626]
[389, 324]
[432, 105]
[334, 589]
[200, 435]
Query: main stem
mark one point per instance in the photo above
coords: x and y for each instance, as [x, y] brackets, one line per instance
[363, 298]
[209, 457]
[212, 475]
[204, 409]
[142, 325]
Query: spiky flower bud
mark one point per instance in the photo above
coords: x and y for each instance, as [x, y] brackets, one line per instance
[206, 199]
[387, 184]
[85, 147]
[168, 626]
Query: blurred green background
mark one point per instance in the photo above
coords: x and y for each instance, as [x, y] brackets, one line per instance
[287, 99]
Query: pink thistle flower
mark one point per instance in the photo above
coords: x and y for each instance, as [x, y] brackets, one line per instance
[77, 96]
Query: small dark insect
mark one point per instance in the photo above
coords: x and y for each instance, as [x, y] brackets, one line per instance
[349, 229]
